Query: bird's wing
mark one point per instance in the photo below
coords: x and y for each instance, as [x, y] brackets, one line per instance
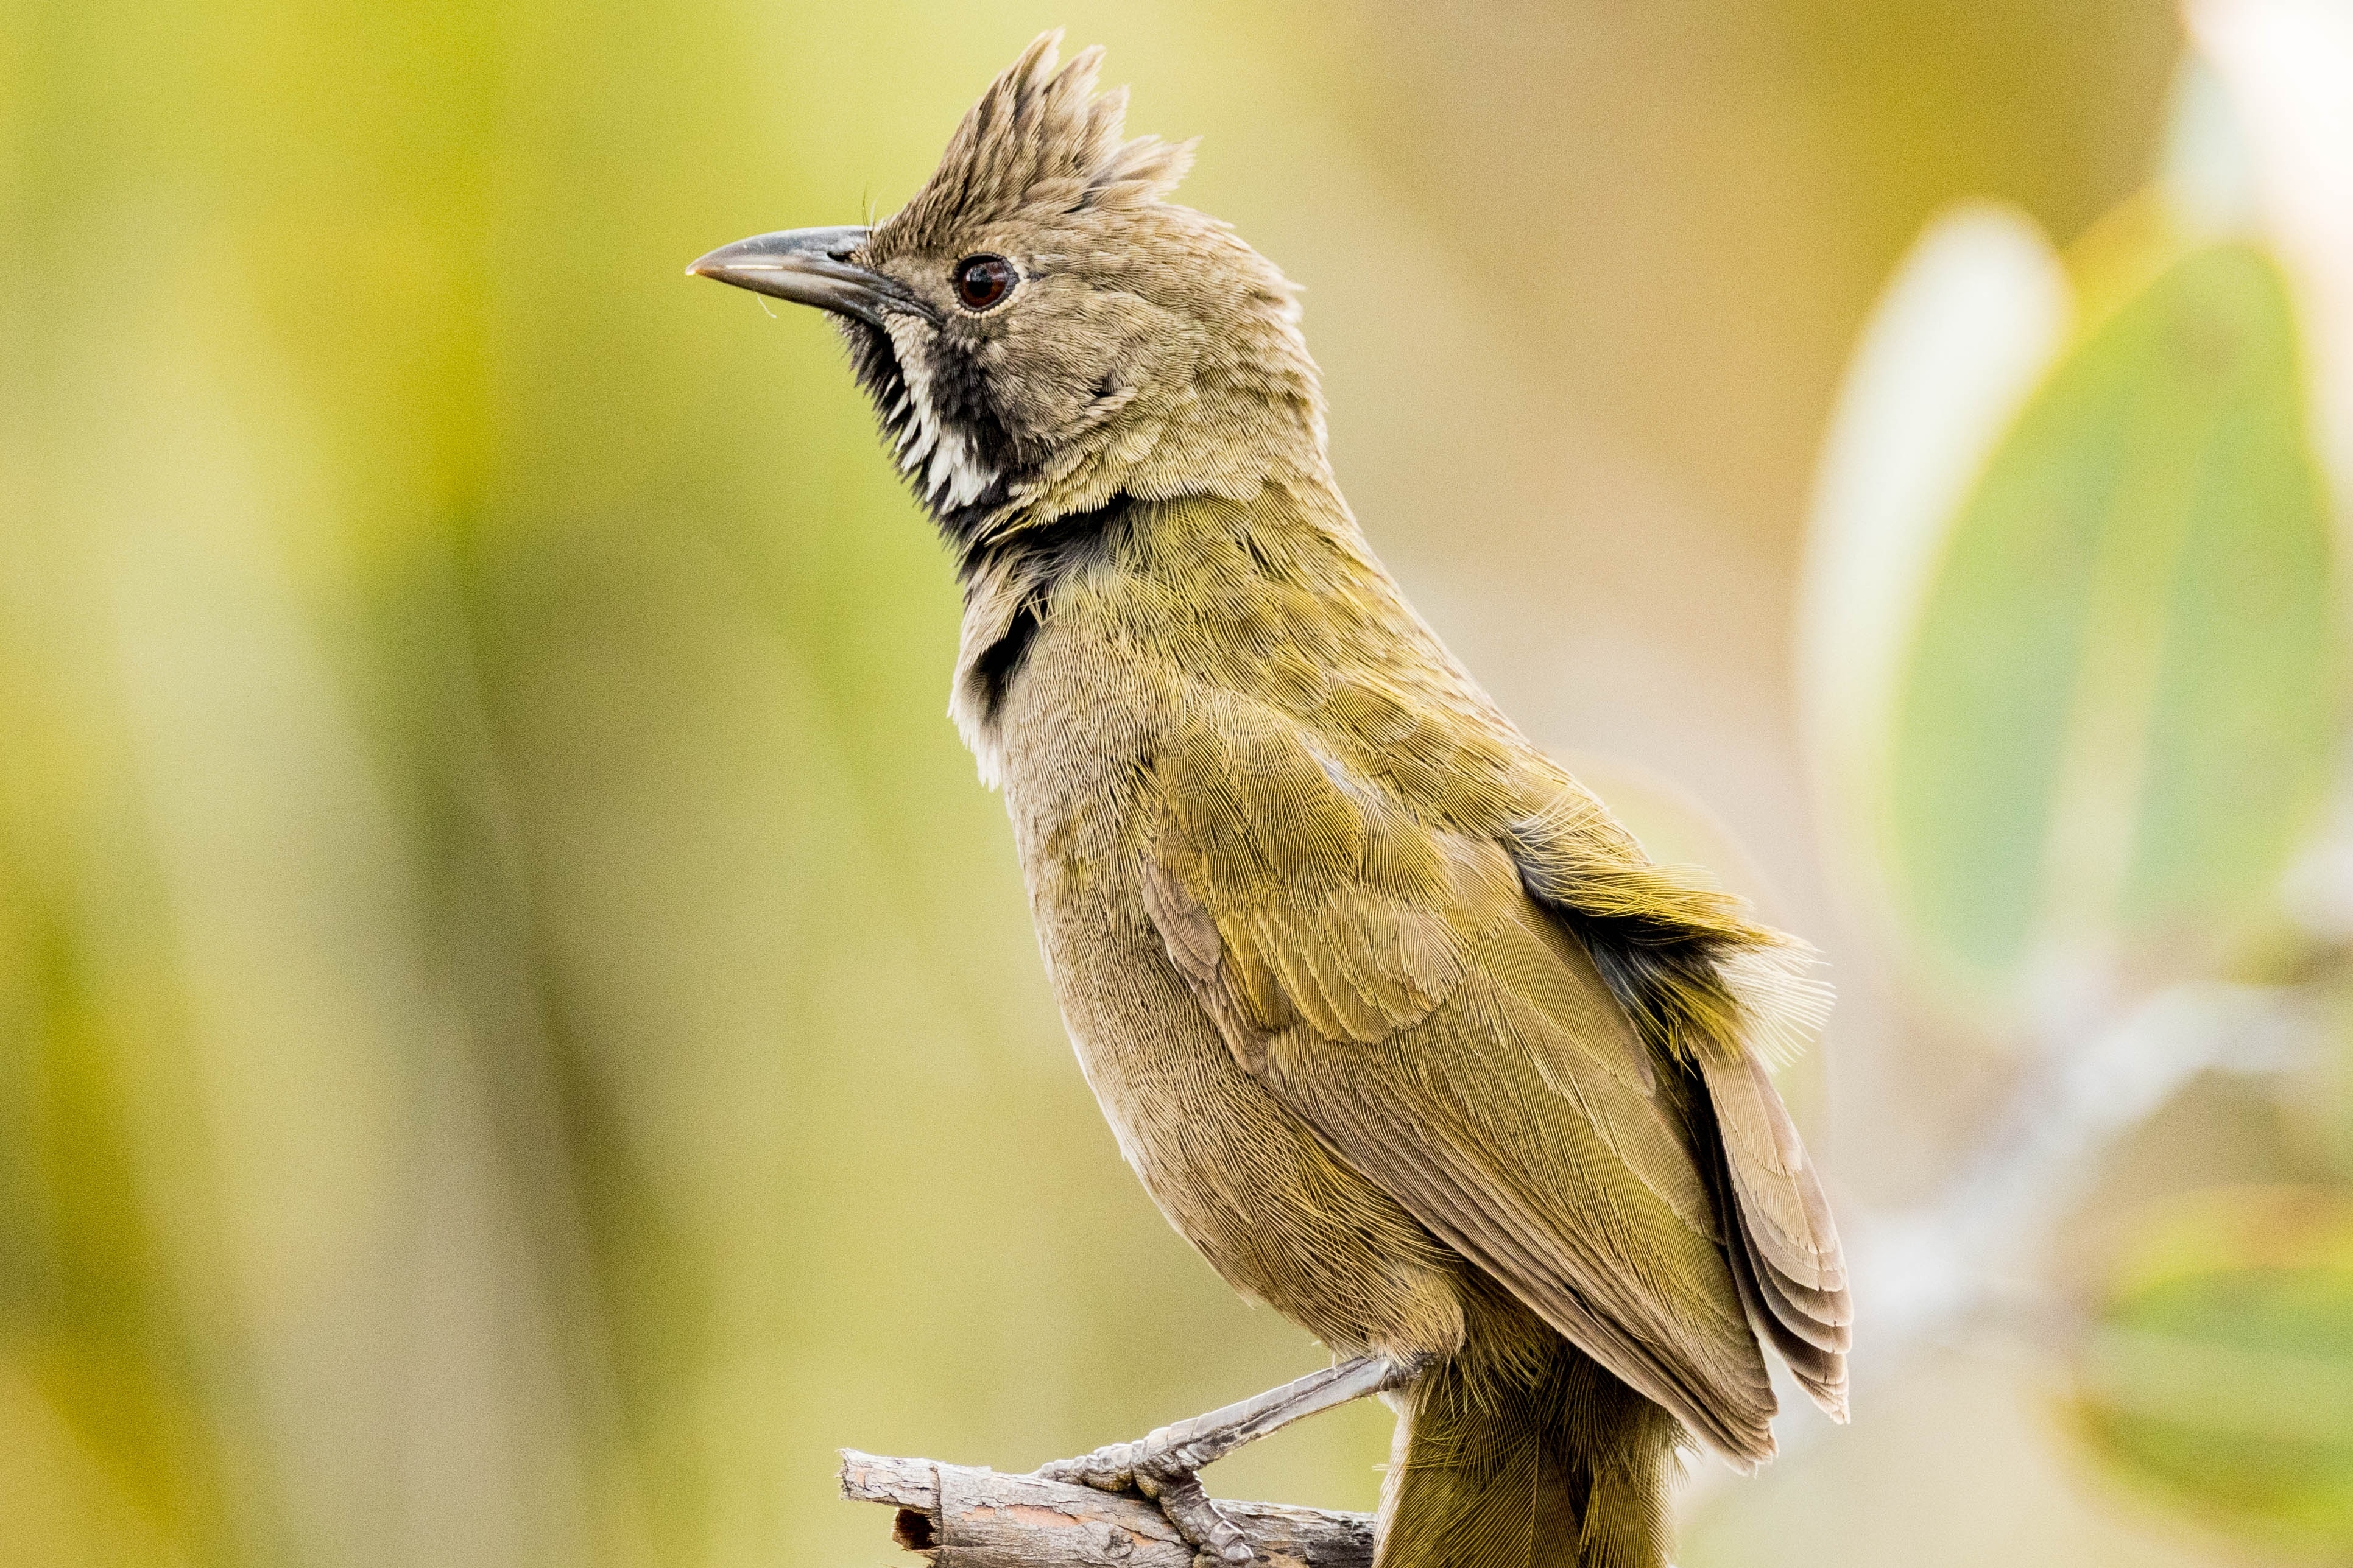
[1396, 987]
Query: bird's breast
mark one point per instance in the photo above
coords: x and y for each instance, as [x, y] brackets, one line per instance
[1058, 709]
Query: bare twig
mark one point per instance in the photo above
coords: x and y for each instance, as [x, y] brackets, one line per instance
[1921, 1272]
[966, 1518]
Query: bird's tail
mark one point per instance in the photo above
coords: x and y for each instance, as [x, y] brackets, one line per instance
[1549, 1464]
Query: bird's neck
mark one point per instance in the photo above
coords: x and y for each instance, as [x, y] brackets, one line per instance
[1276, 599]
[1226, 569]
[1246, 419]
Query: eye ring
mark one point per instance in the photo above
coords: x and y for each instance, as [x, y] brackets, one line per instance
[982, 282]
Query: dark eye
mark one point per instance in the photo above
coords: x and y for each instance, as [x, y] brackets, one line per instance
[984, 281]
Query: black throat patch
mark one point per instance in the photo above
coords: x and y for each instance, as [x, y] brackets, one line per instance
[959, 403]
[1035, 561]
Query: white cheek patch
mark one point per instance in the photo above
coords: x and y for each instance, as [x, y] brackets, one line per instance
[948, 471]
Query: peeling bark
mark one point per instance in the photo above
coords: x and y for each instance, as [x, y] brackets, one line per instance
[965, 1517]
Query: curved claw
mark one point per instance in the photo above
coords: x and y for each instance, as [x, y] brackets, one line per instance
[1182, 1499]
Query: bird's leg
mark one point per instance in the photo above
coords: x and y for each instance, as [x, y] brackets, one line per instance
[1164, 1466]
[1203, 1440]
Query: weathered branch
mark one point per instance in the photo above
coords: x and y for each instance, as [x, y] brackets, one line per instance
[966, 1518]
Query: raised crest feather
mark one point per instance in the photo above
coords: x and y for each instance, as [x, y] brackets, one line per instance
[1040, 142]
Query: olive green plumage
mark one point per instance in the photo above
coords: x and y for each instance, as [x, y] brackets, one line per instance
[1396, 1024]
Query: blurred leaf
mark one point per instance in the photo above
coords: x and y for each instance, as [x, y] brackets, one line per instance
[2119, 709]
[2219, 1377]
[1968, 323]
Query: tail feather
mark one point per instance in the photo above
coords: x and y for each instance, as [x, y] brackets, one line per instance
[1565, 1469]
[1783, 1245]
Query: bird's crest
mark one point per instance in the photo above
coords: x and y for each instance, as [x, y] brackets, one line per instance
[1042, 143]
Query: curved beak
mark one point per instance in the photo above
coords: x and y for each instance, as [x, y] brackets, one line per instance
[811, 267]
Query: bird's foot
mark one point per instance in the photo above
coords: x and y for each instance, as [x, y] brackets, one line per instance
[1165, 1466]
[1154, 1467]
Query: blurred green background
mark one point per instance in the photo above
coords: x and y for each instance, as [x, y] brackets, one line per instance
[520, 1033]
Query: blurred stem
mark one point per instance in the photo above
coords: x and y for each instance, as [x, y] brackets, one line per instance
[1936, 1264]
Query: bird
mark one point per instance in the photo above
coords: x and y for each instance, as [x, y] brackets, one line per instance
[1397, 1024]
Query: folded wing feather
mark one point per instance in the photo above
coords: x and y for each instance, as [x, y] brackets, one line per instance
[1395, 985]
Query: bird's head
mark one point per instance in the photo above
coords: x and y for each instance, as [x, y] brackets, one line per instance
[1042, 330]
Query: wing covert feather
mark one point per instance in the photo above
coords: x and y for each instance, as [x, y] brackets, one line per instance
[1396, 987]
